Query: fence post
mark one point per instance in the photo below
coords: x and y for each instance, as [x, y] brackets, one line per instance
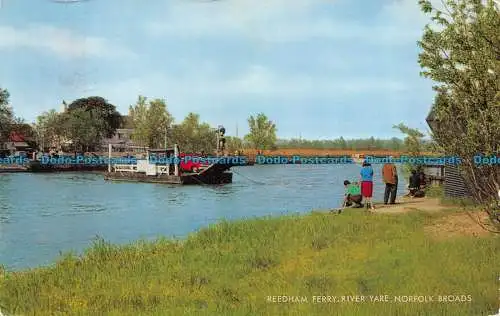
[109, 157]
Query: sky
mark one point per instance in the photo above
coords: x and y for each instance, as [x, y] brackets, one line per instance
[319, 69]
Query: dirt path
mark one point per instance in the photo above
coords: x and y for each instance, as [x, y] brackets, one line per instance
[404, 205]
[457, 222]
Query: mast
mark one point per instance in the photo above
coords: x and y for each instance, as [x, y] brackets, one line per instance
[218, 140]
[166, 128]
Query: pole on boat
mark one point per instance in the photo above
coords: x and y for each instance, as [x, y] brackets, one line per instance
[166, 129]
[109, 157]
[218, 140]
[176, 154]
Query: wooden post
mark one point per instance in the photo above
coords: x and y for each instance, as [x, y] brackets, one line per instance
[218, 141]
[166, 129]
[109, 157]
[176, 154]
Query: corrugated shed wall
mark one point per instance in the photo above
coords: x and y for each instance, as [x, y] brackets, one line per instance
[454, 184]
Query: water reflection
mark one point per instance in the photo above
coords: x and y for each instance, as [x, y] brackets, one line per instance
[87, 208]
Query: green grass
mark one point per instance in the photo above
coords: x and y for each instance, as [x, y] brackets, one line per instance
[437, 191]
[231, 268]
[434, 191]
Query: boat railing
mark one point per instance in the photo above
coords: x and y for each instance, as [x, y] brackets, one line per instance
[124, 168]
[160, 169]
[163, 169]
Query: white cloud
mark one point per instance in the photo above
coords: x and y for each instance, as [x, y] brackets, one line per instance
[62, 42]
[400, 21]
[195, 18]
[257, 81]
[262, 81]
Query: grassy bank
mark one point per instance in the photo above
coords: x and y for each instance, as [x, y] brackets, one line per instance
[231, 269]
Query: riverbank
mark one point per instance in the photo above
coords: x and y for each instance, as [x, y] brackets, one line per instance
[248, 267]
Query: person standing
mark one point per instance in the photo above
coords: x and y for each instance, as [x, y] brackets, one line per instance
[390, 178]
[367, 184]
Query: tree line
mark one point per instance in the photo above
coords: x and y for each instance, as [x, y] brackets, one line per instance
[85, 122]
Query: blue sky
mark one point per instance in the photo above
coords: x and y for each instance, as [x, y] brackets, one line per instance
[319, 69]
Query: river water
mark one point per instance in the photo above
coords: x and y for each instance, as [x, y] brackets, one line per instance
[42, 215]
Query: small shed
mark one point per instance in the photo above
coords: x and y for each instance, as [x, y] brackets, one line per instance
[454, 183]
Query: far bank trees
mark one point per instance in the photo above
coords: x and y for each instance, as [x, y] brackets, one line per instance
[262, 134]
[49, 129]
[9, 123]
[98, 112]
[89, 120]
[81, 127]
[6, 115]
[192, 135]
[151, 121]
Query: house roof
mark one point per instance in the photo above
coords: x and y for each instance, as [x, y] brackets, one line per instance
[16, 137]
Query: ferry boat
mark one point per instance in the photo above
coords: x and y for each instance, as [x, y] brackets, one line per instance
[169, 166]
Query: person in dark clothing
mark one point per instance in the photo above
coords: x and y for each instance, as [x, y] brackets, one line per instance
[423, 183]
[414, 183]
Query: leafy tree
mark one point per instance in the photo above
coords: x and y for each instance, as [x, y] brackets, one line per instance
[372, 143]
[138, 114]
[262, 133]
[160, 120]
[413, 141]
[85, 128]
[342, 143]
[150, 121]
[49, 129]
[414, 145]
[234, 144]
[193, 136]
[10, 123]
[6, 115]
[396, 143]
[101, 111]
[4, 96]
[462, 55]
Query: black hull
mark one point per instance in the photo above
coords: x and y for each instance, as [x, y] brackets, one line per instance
[185, 179]
[13, 170]
[66, 168]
